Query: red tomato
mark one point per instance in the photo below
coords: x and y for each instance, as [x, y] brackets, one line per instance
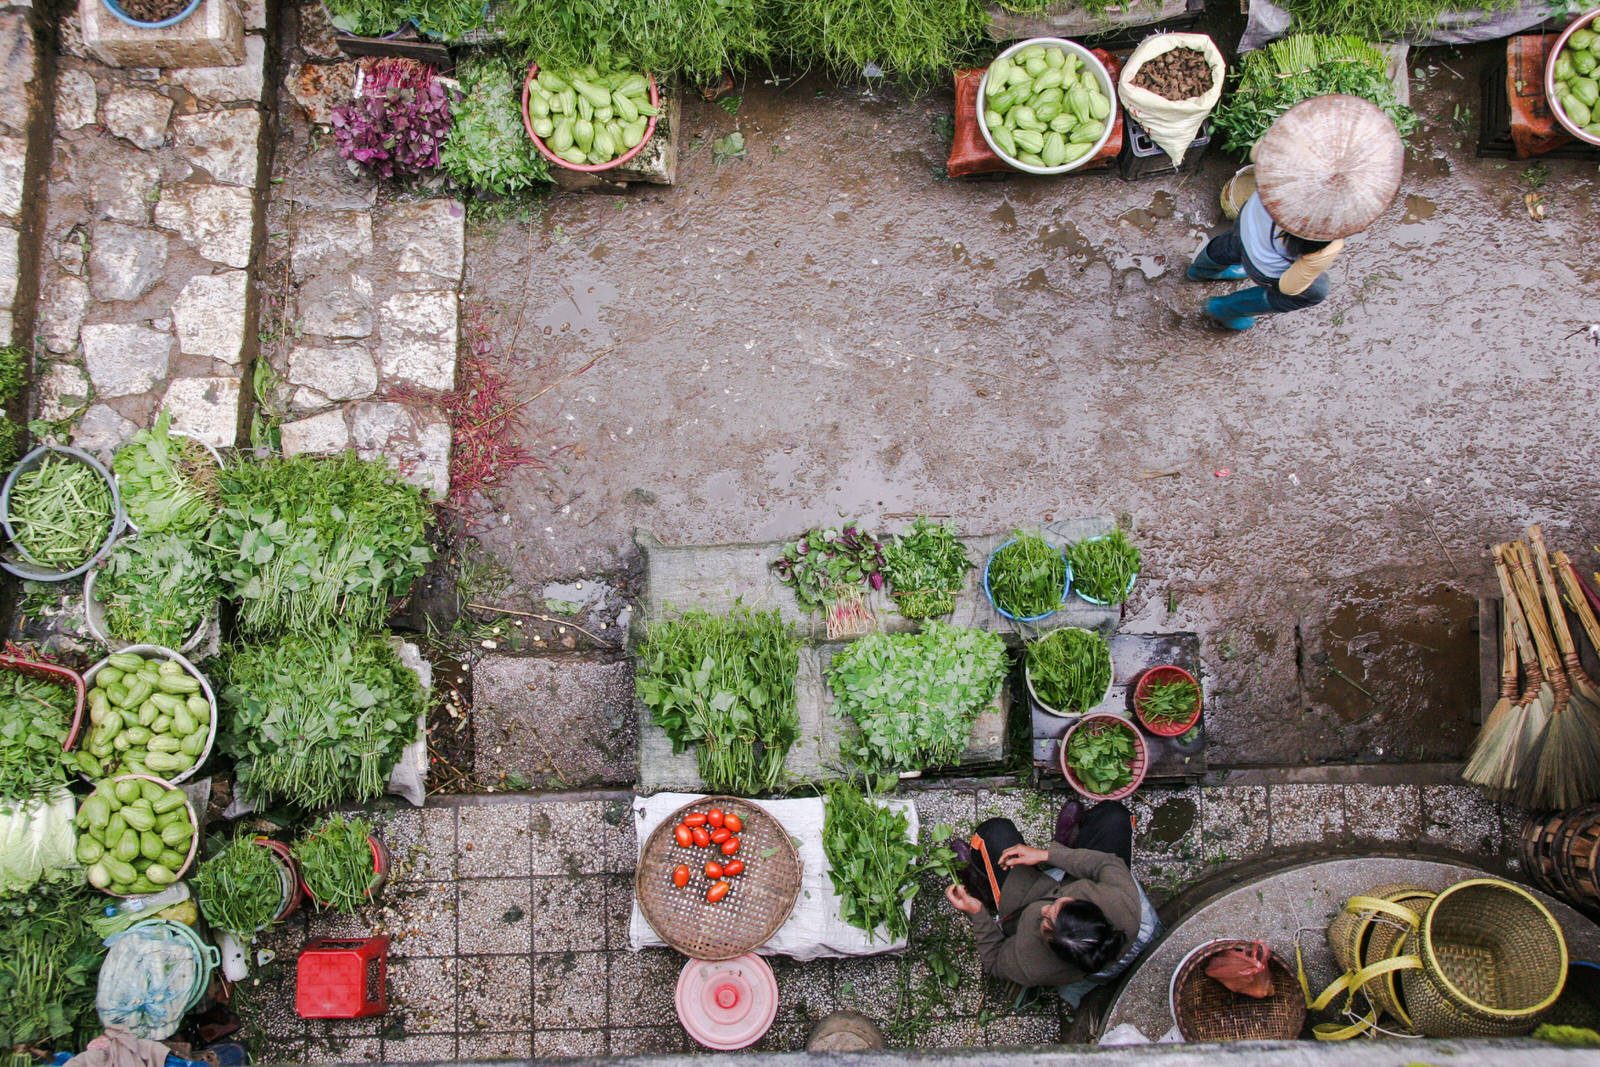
[700, 837]
[730, 846]
[733, 822]
[714, 870]
[733, 868]
[697, 819]
[682, 835]
[680, 875]
[719, 836]
[715, 818]
[717, 891]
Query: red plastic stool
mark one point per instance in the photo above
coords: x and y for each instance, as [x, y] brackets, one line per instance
[338, 979]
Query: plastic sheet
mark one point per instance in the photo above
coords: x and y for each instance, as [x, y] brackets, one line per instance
[145, 982]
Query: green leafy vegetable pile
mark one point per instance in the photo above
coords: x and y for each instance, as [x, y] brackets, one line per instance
[446, 20]
[914, 697]
[368, 18]
[830, 563]
[1379, 20]
[37, 843]
[318, 719]
[309, 542]
[926, 567]
[724, 684]
[240, 888]
[1028, 577]
[49, 959]
[487, 148]
[1101, 754]
[873, 863]
[167, 482]
[61, 512]
[157, 589]
[13, 376]
[700, 39]
[1275, 78]
[917, 42]
[335, 860]
[1070, 668]
[1102, 567]
[1169, 703]
[35, 718]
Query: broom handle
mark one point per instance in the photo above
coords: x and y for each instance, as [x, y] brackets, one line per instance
[1508, 657]
[1519, 626]
[1552, 596]
[1576, 599]
[1533, 612]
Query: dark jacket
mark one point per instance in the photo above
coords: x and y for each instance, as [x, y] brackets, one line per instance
[1011, 948]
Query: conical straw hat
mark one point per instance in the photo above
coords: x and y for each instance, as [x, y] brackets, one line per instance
[1329, 166]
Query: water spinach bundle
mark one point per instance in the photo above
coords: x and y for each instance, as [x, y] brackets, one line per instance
[873, 863]
[240, 888]
[1069, 669]
[336, 862]
[925, 567]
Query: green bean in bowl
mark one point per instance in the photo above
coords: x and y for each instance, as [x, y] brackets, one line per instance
[60, 511]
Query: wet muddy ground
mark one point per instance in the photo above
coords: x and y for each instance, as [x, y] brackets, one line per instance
[826, 327]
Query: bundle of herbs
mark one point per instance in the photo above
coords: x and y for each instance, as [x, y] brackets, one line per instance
[1101, 753]
[368, 18]
[873, 862]
[306, 543]
[724, 684]
[925, 567]
[399, 122]
[35, 719]
[698, 39]
[61, 512]
[487, 148]
[1027, 578]
[49, 960]
[914, 697]
[913, 41]
[1169, 704]
[167, 481]
[318, 719]
[1103, 568]
[240, 888]
[336, 862]
[1069, 669]
[157, 589]
[1275, 78]
[1382, 20]
[13, 376]
[827, 569]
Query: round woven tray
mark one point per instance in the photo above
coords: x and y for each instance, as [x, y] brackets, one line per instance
[760, 901]
[1207, 1010]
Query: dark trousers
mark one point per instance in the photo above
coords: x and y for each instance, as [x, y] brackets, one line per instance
[1227, 249]
[1106, 827]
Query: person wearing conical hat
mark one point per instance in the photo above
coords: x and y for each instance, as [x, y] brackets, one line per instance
[1326, 169]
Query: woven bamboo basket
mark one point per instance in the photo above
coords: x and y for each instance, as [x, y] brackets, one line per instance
[1577, 854]
[1388, 940]
[1207, 1010]
[1493, 960]
[1534, 849]
[1350, 929]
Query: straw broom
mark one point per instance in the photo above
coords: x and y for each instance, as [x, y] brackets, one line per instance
[1491, 762]
[1501, 752]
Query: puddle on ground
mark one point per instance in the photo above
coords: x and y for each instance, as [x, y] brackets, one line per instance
[1035, 281]
[1419, 208]
[580, 306]
[1066, 236]
[1144, 219]
[1005, 215]
[1170, 823]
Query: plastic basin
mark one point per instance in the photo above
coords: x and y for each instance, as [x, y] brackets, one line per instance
[1066, 589]
[1589, 20]
[1164, 675]
[1141, 756]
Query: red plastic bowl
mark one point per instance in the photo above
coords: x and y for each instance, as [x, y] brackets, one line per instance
[1141, 756]
[1166, 675]
[588, 168]
[381, 862]
[11, 660]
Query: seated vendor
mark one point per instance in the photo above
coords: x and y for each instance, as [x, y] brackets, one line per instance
[1071, 915]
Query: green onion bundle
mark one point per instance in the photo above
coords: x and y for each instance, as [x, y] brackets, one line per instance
[1070, 668]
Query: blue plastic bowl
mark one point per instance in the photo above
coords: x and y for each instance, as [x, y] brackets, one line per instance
[113, 7]
[1066, 590]
[1086, 598]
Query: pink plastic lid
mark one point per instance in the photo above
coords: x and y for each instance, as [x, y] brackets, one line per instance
[727, 1005]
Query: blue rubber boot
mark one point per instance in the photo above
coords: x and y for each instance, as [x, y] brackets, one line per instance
[1238, 310]
[1206, 269]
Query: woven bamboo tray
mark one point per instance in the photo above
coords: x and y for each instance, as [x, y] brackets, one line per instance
[1207, 1010]
[759, 903]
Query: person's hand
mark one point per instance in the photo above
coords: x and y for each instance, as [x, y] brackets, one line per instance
[1023, 856]
[961, 900]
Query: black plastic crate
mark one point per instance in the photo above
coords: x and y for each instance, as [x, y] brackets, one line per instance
[1494, 123]
[1143, 158]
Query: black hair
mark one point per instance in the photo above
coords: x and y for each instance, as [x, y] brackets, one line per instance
[1083, 936]
[1298, 246]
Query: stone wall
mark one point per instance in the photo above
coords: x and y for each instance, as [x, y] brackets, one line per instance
[23, 99]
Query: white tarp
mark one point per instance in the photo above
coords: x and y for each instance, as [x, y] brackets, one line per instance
[814, 928]
[1268, 21]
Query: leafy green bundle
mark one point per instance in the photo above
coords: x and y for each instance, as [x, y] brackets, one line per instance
[915, 41]
[1379, 20]
[368, 18]
[487, 148]
[49, 959]
[1169, 703]
[925, 567]
[61, 512]
[167, 482]
[1070, 668]
[914, 697]
[335, 860]
[873, 863]
[13, 376]
[1101, 754]
[35, 718]
[309, 542]
[829, 563]
[700, 39]
[240, 888]
[318, 719]
[1275, 78]
[725, 684]
[1028, 577]
[1104, 567]
[157, 589]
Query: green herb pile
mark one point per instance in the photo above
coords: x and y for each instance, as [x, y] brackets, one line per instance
[318, 719]
[157, 589]
[240, 888]
[1275, 78]
[367, 18]
[1028, 577]
[446, 20]
[830, 563]
[1379, 20]
[35, 718]
[309, 542]
[487, 148]
[1101, 755]
[61, 512]
[13, 376]
[1169, 703]
[336, 862]
[166, 482]
[700, 39]
[49, 959]
[914, 697]
[873, 863]
[724, 684]
[913, 40]
[1070, 668]
[926, 567]
[1103, 567]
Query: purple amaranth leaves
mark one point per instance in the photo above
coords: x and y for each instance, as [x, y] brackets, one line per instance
[397, 131]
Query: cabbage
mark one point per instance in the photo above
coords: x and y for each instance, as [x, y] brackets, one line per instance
[37, 843]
